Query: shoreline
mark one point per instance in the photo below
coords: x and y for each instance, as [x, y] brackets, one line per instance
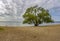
[33, 26]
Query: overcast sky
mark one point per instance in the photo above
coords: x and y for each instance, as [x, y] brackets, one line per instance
[19, 7]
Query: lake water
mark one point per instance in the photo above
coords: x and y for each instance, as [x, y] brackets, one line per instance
[17, 23]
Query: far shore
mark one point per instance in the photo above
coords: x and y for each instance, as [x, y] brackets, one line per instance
[49, 25]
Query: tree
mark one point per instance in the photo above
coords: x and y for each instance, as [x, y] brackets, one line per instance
[37, 15]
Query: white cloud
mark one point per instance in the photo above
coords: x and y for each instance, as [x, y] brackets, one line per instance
[52, 3]
[1, 6]
[2, 18]
[21, 5]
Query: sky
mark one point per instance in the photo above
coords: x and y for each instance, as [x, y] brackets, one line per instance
[12, 10]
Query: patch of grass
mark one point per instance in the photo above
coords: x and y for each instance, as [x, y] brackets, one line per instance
[1, 29]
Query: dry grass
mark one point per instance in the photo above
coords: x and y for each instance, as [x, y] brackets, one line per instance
[47, 33]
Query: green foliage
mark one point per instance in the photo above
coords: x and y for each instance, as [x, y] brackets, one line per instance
[37, 15]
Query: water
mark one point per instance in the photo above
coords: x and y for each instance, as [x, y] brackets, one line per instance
[18, 23]
[9, 23]
[13, 23]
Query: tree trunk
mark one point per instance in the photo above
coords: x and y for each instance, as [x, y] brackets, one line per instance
[36, 24]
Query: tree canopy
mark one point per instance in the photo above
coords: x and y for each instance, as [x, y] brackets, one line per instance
[37, 15]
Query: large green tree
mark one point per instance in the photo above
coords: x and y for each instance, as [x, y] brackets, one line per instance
[37, 15]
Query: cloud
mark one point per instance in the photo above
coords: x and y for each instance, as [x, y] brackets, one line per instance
[55, 12]
[48, 4]
[17, 7]
[1, 6]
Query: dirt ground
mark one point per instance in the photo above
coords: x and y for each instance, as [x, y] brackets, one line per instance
[46, 33]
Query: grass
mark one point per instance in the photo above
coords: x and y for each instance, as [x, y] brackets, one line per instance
[47, 33]
[1, 28]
